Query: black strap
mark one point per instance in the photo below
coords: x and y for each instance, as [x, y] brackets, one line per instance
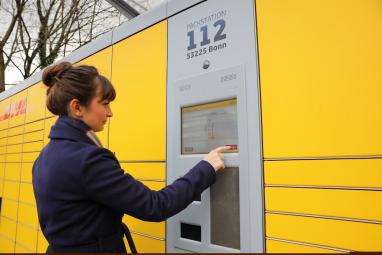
[129, 238]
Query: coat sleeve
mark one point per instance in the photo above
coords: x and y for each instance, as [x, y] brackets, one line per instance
[105, 182]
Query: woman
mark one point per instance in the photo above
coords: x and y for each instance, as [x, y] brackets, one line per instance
[80, 189]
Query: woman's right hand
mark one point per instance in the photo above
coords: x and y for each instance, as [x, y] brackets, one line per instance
[215, 158]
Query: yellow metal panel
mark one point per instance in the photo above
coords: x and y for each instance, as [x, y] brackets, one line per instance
[6, 246]
[1, 179]
[48, 114]
[26, 193]
[3, 133]
[346, 172]
[9, 209]
[33, 146]
[42, 244]
[15, 130]
[48, 124]
[34, 136]
[154, 171]
[358, 204]
[154, 185]
[8, 228]
[30, 156]
[18, 109]
[37, 125]
[156, 229]
[147, 245]
[14, 140]
[11, 190]
[138, 128]
[14, 148]
[334, 233]
[3, 141]
[102, 61]
[2, 158]
[4, 113]
[283, 247]
[36, 102]
[12, 171]
[27, 214]
[148, 228]
[26, 172]
[320, 77]
[13, 157]
[2, 149]
[21, 249]
[27, 237]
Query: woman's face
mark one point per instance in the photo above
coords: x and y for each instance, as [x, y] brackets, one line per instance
[96, 114]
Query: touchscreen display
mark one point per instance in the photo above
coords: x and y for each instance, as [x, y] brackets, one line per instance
[207, 126]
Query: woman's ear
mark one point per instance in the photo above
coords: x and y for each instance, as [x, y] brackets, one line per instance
[75, 109]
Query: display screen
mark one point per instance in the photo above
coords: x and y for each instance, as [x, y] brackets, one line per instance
[207, 126]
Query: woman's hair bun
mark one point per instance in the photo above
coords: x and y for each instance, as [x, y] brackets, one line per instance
[52, 72]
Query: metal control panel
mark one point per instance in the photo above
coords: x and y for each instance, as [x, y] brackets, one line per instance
[213, 101]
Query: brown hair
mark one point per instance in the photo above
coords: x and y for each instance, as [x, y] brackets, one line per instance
[66, 82]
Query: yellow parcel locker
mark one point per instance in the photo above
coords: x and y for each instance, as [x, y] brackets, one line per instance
[102, 61]
[287, 247]
[27, 214]
[149, 171]
[42, 243]
[155, 229]
[27, 237]
[147, 245]
[320, 77]
[17, 139]
[35, 109]
[348, 235]
[30, 157]
[138, 128]
[15, 130]
[34, 136]
[1, 179]
[6, 245]
[9, 209]
[22, 249]
[26, 193]
[5, 106]
[26, 172]
[18, 109]
[12, 171]
[33, 146]
[34, 126]
[4, 132]
[11, 189]
[48, 124]
[356, 204]
[8, 228]
[14, 157]
[338, 173]
[3, 141]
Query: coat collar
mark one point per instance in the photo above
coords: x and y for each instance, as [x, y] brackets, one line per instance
[70, 128]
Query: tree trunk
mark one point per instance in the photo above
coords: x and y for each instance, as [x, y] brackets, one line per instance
[2, 70]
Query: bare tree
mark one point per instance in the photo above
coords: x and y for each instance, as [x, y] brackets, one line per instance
[48, 29]
[15, 9]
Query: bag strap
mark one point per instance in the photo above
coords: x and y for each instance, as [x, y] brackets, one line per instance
[129, 238]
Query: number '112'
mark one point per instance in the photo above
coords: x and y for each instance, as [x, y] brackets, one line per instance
[204, 29]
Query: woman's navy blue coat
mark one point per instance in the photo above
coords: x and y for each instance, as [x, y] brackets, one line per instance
[82, 193]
